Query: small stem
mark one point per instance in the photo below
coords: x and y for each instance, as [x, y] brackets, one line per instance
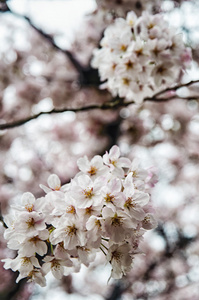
[77, 65]
[107, 240]
[117, 103]
[103, 251]
[104, 246]
[51, 248]
[1, 219]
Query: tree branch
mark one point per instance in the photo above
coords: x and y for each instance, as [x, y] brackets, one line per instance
[105, 106]
[79, 68]
[117, 103]
[1, 219]
[175, 88]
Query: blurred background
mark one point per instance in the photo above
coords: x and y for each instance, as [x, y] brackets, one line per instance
[45, 53]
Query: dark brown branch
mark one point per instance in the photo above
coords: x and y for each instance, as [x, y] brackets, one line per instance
[118, 103]
[48, 37]
[105, 106]
[175, 88]
[1, 219]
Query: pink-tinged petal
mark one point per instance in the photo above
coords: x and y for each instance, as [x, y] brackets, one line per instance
[7, 263]
[149, 222]
[45, 188]
[124, 162]
[54, 182]
[35, 262]
[97, 161]
[15, 264]
[114, 152]
[83, 164]
[106, 158]
[46, 267]
[129, 186]
[137, 213]
[115, 185]
[142, 198]
[44, 234]
[28, 199]
[134, 165]
[57, 271]
[35, 276]
[117, 172]
[107, 212]
[41, 248]
[84, 181]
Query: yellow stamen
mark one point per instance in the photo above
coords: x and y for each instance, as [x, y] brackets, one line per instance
[92, 170]
[126, 81]
[29, 207]
[123, 48]
[71, 209]
[88, 193]
[109, 198]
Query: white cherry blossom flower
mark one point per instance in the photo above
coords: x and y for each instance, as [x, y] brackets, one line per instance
[56, 266]
[86, 192]
[36, 276]
[33, 244]
[68, 232]
[149, 222]
[115, 162]
[54, 184]
[140, 54]
[93, 168]
[117, 225]
[105, 205]
[112, 195]
[86, 255]
[23, 264]
[30, 223]
[120, 260]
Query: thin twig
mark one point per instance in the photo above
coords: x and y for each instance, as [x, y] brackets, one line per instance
[174, 88]
[118, 103]
[104, 246]
[48, 37]
[105, 106]
[102, 250]
[1, 219]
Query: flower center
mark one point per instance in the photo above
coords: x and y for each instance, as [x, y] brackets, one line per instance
[88, 193]
[116, 255]
[71, 230]
[71, 209]
[92, 170]
[109, 198]
[116, 220]
[29, 207]
[30, 222]
[123, 47]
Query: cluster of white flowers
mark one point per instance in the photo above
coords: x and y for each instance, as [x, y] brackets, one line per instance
[140, 56]
[105, 207]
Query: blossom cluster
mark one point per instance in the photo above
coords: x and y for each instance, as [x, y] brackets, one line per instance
[140, 55]
[105, 207]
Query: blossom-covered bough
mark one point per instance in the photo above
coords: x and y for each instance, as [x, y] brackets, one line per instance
[106, 207]
[140, 56]
[69, 228]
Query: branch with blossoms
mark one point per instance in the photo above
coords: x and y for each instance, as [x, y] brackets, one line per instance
[171, 250]
[4, 8]
[106, 207]
[139, 55]
[116, 103]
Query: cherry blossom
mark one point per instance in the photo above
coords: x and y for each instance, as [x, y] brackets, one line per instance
[94, 213]
[140, 55]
